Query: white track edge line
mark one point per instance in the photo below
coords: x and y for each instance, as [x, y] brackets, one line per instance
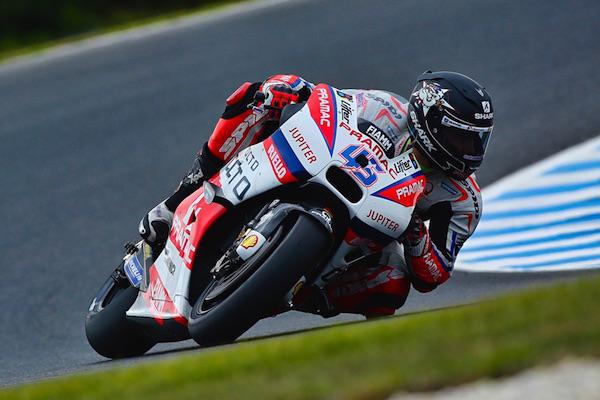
[590, 146]
[493, 190]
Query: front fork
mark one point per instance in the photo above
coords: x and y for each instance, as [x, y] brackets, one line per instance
[254, 235]
[348, 255]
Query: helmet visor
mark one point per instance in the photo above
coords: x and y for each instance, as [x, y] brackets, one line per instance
[465, 142]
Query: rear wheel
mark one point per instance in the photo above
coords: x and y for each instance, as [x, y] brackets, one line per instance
[232, 304]
[107, 328]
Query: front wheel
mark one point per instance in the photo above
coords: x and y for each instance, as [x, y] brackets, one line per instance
[231, 305]
[107, 328]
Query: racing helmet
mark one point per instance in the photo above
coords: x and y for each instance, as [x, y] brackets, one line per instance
[450, 120]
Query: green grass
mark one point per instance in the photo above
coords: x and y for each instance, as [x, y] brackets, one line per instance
[10, 47]
[364, 360]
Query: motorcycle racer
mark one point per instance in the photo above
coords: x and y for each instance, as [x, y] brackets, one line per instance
[447, 123]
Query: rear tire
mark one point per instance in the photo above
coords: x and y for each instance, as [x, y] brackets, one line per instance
[108, 330]
[292, 256]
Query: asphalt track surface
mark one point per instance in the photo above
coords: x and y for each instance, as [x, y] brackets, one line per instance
[90, 141]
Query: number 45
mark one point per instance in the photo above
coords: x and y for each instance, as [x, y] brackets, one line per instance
[366, 174]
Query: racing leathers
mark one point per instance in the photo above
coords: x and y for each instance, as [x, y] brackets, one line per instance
[446, 214]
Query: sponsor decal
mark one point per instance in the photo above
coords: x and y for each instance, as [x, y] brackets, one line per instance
[471, 128]
[249, 241]
[159, 297]
[278, 166]
[432, 266]
[486, 106]
[192, 218]
[421, 133]
[237, 136]
[344, 95]
[391, 108]
[381, 138]
[386, 113]
[158, 301]
[134, 271]
[156, 297]
[324, 107]
[384, 221]
[410, 190]
[406, 191]
[484, 116]
[276, 162]
[449, 189]
[413, 160]
[170, 264]
[283, 146]
[366, 174]
[321, 105]
[180, 233]
[429, 95]
[346, 110]
[303, 145]
[194, 177]
[403, 165]
[401, 107]
[361, 100]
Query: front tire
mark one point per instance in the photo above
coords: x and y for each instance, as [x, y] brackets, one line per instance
[291, 256]
[107, 328]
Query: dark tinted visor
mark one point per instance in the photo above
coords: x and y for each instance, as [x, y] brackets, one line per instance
[466, 142]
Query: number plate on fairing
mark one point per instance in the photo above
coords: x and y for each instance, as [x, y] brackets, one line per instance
[247, 174]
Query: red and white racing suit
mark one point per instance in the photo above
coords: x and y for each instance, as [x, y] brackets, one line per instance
[425, 258]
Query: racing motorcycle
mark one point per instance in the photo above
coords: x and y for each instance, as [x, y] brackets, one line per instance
[281, 219]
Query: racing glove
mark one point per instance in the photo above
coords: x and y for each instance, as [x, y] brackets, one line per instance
[154, 227]
[275, 96]
[415, 235]
[428, 266]
[279, 91]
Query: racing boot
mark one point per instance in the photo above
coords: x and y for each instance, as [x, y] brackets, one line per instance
[313, 300]
[154, 227]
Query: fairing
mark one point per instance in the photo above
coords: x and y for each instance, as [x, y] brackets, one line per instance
[322, 135]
